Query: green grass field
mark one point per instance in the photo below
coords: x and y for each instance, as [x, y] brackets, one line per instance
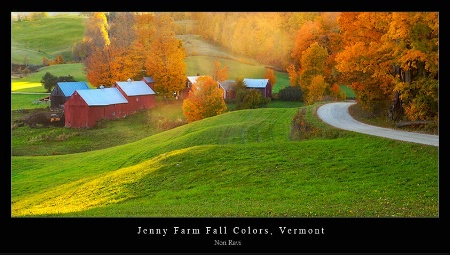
[240, 163]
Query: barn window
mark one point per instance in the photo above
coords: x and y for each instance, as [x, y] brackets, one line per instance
[137, 98]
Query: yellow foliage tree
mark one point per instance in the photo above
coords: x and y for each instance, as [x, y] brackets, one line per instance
[316, 90]
[293, 75]
[312, 65]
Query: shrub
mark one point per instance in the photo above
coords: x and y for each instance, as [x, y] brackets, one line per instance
[291, 93]
[250, 99]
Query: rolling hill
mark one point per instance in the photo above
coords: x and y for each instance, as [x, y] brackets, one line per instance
[241, 163]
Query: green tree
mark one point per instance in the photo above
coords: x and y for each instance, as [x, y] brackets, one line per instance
[65, 78]
[49, 81]
[248, 98]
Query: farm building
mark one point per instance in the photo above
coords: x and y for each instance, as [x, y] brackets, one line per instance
[87, 106]
[228, 88]
[62, 92]
[150, 82]
[263, 85]
[138, 94]
[189, 81]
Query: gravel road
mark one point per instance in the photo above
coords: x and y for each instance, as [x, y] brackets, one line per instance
[337, 115]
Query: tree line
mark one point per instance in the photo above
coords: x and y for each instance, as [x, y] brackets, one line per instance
[121, 45]
[390, 59]
[385, 57]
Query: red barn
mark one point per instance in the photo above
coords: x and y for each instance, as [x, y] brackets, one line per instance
[228, 88]
[150, 82]
[138, 94]
[263, 85]
[189, 81]
[85, 107]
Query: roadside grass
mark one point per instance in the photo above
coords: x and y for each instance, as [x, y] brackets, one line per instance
[383, 121]
[241, 164]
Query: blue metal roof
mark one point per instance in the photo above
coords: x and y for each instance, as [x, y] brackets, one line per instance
[135, 88]
[255, 83]
[68, 87]
[148, 79]
[105, 96]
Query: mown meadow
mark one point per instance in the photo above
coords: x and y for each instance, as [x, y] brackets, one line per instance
[246, 163]
[240, 164]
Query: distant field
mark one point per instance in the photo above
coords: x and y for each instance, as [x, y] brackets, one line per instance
[32, 82]
[48, 37]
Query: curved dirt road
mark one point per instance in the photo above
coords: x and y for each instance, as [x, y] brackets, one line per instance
[337, 115]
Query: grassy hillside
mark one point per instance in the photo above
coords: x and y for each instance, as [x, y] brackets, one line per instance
[240, 163]
[32, 82]
[47, 37]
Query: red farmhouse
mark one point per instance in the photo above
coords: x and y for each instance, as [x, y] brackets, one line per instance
[85, 107]
[138, 94]
[263, 85]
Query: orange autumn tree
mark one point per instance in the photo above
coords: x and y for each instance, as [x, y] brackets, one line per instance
[293, 75]
[97, 40]
[145, 30]
[335, 91]
[270, 74]
[364, 63]
[165, 60]
[219, 73]
[125, 58]
[205, 100]
[386, 54]
[413, 41]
